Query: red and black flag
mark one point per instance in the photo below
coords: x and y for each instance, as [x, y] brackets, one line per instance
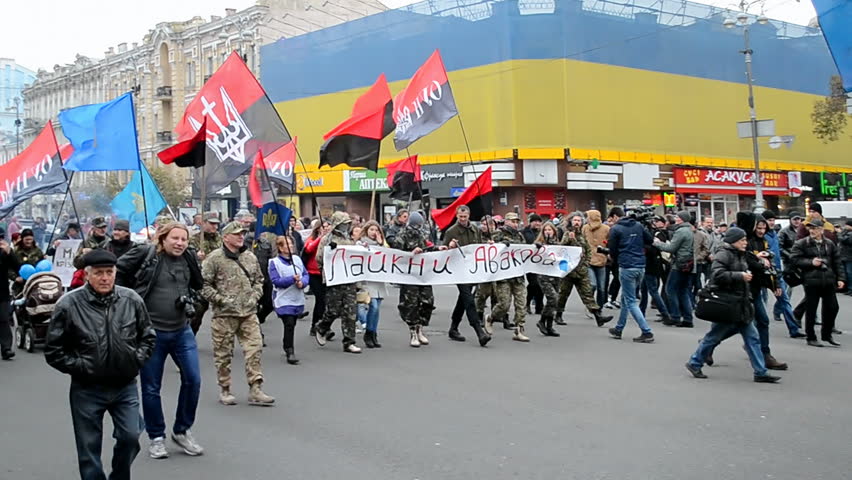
[425, 104]
[36, 171]
[191, 152]
[240, 121]
[356, 141]
[256, 178]
[477, 197]
[404, 179]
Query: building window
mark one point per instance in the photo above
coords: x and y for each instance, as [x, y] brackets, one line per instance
[190, 74]
[210, 65]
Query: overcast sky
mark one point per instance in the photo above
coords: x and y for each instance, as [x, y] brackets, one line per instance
[40, 36]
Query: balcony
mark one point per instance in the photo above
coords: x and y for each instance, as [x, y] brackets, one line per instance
[164, 92]
[164, 137]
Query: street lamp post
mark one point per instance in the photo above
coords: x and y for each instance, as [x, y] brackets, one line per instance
[742, 20]
[17, 110]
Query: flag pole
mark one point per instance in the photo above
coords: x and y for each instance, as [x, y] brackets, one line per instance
[61, 207]
[473, 167]
[71, 194]
[284, 228]
[140, 167]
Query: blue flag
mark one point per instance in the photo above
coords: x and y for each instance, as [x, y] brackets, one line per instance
[103, 136]
[835, 18]
[128, 204]
[274, 218]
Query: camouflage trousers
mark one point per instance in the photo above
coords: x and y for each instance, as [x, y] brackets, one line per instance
[340, 303]
[247, 331]
[416, 303]
[550, 289]
[579, 279]
[509, 291]
[484, 291]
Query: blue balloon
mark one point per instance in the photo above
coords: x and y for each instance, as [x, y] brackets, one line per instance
[563, 265]
[44, 266]
[26, 271]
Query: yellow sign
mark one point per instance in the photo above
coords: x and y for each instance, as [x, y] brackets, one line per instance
[320, 182]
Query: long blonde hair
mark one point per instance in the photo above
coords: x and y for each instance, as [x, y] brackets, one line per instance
[541, 238]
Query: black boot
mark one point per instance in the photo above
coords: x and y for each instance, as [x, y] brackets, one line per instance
[600, 319]
[375, 337]
[542, 326]
[559, 320]
[368, 339]
[454, 331]
[551, 332]
[482, 335]
[291, 356]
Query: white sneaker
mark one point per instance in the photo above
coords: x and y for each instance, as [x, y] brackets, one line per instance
[609, 305]
[422, 338]
[157, 448]
[187, 442]
[352, 349]
[415, 342]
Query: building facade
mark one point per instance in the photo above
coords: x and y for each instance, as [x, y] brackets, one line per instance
[13, 79]
[579, 104]
[172, 62]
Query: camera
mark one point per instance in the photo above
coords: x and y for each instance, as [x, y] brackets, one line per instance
[187, 303]
[603, 250]
[643, 214]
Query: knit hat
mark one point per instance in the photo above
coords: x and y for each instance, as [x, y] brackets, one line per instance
[124, 225]
[415, 219]
[797, 214]
[27, 232]
[734, 235]
[535, 218]
[685, 216]
[816, 207]
[768, 214]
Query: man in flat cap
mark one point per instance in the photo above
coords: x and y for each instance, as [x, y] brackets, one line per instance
[101, 336]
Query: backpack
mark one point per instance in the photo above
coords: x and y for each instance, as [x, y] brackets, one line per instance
[41, 292]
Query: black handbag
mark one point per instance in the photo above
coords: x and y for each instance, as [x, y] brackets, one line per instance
[720, 306]
[792, 275]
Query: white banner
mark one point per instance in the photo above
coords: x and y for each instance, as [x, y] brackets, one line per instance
[63, 260]
[470, 264]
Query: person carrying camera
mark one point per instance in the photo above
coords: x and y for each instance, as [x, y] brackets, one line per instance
[679, 282]
[166, 275]
[819, 261]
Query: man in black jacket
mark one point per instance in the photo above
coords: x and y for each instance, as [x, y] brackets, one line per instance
[822, 275]
[534, 293]
[166, 275]
[101, 336]
[8, 263]
[120, 242]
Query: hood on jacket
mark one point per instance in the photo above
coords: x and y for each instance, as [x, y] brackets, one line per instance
[627, 222]
[594, 219]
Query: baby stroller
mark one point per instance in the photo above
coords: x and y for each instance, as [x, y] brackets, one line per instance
[34, 307]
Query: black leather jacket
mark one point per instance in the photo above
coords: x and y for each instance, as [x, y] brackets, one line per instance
[138, 267]
[804, 252]
[726, 274]
[100, 339]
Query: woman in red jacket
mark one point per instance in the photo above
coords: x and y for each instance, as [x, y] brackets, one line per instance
[309, 256]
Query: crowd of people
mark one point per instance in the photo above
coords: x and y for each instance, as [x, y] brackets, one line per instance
[133, 305]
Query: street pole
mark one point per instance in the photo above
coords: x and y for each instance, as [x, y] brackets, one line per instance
[759, 202]
[17, 125]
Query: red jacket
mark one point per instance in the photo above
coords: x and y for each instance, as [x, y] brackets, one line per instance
[309, 255]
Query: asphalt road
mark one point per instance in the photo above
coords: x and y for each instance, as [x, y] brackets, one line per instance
[583, 406]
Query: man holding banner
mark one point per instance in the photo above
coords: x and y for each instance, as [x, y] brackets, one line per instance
[512, 288]
[461, 234]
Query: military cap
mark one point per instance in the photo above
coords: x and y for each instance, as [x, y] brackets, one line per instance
[234, 227]
[99, 222]
[211, 217]
[511, 216]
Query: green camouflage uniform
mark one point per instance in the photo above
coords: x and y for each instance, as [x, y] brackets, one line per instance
[416, 302]
[234, 295]
[512, 288]
[579, 277]
[91, 242]
[550, 289]
[340, 299]
[484, 291]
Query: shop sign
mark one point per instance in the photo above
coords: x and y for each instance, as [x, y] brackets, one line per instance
[319, 182]
[430, 176]
[707, 180]
[366, 180]
[670, 199]
[834, 184]
[456, 192]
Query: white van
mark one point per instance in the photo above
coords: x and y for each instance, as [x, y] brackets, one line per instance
[836, 211]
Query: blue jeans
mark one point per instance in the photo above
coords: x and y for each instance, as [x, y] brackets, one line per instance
[679, 293]
[783, 308]
[88, 405]
[597, 276]
[184, 351]
[761, 322]
[630, 279]
[373, 314]
[721, 331]
[651, 286]
[848, 267]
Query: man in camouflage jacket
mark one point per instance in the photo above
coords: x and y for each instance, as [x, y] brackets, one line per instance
[233, 284]
[579, 277]
[416, 302]
[512, 288]
[95, 238]
[340, 299]
[204, 243]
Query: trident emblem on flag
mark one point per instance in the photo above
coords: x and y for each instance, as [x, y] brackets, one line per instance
[230, 142]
